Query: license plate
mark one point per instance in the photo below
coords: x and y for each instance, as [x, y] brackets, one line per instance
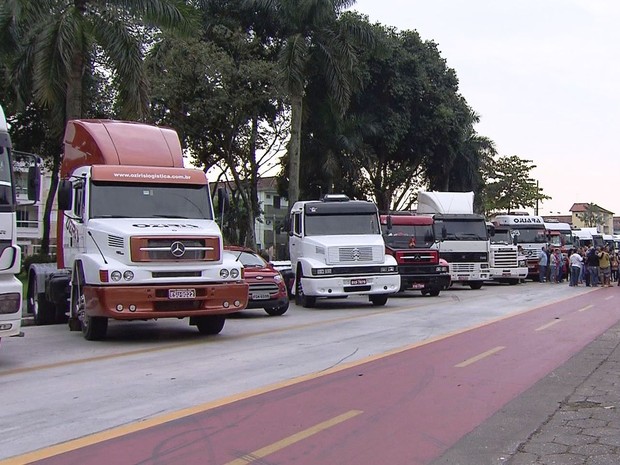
[506, 273]
[181, 293]
[260, 296]
[462, 277]
[357, 282]
[417, 286]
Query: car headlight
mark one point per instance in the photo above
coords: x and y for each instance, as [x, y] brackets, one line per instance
[278, 278]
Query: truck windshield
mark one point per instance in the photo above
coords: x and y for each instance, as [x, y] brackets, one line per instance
[339, 225]
[125, 200]
[408, 236]
[6, 189]
[461, 230]
[530, 235]
[502, 236]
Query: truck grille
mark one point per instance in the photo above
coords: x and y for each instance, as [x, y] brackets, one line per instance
[463, 257]
[462, 267]
[505, 258]
[352, 255]
[175, 249]
[417, 257]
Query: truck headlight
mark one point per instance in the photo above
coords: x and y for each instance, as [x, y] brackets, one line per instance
[388, 269]
[116, 275]
[224, 273]
[234, 273]
[522, 263]
[128, 275]
[9, 303]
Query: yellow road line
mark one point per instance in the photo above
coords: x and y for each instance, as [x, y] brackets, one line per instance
[587, 307]
[290, 440]
[548, 325]
[479, 357]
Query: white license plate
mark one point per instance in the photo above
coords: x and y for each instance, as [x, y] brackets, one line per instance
[260, 295]
[417, 286]
[181, 293]
[357, 282]
[462, 277]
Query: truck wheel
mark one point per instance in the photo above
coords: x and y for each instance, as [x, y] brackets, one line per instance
[94, 328]
[434, 292]
[209, 324]
[475, 284]
[302, 299]
[512, 282]
[277, 311]
[43, 310]
[378, 299]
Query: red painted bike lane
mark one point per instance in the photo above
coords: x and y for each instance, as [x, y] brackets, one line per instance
[407, 407]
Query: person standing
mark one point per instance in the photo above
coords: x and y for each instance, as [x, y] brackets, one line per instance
[576, 263]
[543, 260]
[554, 265]
[604, 266]
[592, 264]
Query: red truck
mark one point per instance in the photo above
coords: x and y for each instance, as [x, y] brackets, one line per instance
[409, 239]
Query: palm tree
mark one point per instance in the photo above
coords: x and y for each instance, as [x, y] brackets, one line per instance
[313, 33]
[55, 44]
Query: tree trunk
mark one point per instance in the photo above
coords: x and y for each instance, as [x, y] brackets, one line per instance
[294, 155]
[49, 202]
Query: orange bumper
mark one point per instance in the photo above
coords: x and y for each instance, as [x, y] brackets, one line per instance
[147, 302]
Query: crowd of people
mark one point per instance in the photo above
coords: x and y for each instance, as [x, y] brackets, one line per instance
[590, 266]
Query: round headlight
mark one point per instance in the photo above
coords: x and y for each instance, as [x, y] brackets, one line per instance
[116, 275]
[128, 275]
[234, 273]
[224, 273]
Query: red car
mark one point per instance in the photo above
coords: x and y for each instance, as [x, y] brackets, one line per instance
[267, 288]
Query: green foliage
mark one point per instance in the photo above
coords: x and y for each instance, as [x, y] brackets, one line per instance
[36, 258]
[592, 216]
[509, 185]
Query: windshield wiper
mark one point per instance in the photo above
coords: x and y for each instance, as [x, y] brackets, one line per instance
[179, 217]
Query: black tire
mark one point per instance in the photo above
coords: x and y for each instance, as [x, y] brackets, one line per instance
[512, 282]
[434, 292]
[94, 328]
[302, 299]
[378, 299]
[424, 293]
[475, 284]
[277, 311]
[210, 324]
[42, 309]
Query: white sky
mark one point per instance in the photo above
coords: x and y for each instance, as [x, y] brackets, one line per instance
[544, 76]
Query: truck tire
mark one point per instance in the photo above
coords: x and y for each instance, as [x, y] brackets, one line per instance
[42, 309]
[434, 292]
[277, 311]
[302, 299]
[378, 299]
[209, 324]
[94, 328]
[475, 284]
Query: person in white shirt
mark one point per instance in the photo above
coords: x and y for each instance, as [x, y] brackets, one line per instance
[576, 262]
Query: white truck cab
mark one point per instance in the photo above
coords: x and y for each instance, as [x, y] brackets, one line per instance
[337, 249]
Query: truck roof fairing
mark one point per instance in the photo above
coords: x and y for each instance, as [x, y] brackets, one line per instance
[445, 202]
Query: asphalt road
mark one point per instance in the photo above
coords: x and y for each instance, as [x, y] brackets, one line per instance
[251, 380]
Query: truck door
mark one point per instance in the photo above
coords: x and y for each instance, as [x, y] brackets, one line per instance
[73, 237]
[295, 237]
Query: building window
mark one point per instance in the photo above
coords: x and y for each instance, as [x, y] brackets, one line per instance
[276, 202]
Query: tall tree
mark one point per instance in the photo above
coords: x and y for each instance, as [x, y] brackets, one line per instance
[55, 43]
[510, 186]
[312, 35]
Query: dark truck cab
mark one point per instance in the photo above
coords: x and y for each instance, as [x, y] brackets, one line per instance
[409, 239]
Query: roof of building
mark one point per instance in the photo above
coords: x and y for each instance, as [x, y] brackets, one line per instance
[582, 207]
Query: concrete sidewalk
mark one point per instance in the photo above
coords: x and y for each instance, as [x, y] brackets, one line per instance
[570, 417]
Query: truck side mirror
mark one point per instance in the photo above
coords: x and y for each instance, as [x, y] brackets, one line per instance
[491, 229]
[444, 233]
[514, 240]
[34, 183]
[287, 224]
[65, 195]
[389, 222]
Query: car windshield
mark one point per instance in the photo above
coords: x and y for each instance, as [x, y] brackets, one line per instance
[126, 200]
[247, 259]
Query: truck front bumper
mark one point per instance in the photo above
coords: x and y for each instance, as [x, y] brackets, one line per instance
[509, 273]
[351, 285]
[425, 281]
[165, 301]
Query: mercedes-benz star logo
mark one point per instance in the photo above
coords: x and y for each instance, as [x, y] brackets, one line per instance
[177, 249]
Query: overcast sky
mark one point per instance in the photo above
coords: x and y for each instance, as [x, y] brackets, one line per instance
[544, 76]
